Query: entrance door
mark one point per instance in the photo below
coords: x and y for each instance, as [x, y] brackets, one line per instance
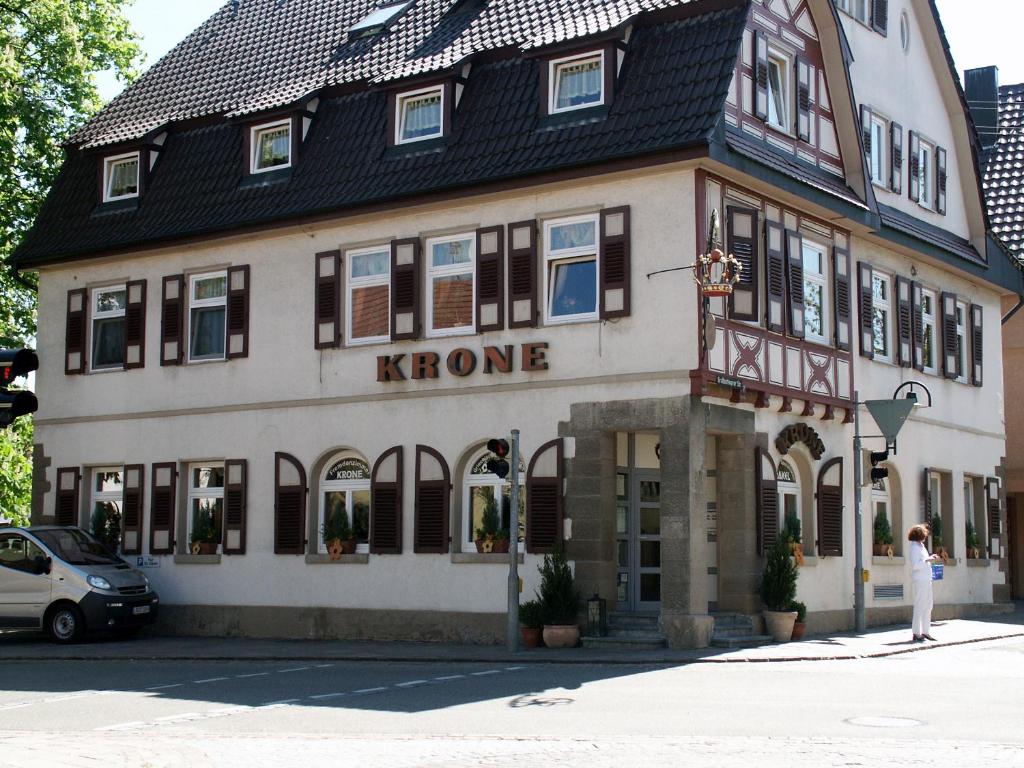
[638, 533]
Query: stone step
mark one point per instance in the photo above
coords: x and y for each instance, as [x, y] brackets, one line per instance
[740, 641]
[733, 631]
[645, 643]
[733, 620]
[634, 621]
[645, 632]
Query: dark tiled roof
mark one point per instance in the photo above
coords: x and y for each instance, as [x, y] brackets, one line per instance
[669, 96]
[1004, 176]
[271, 53]
[928, 233]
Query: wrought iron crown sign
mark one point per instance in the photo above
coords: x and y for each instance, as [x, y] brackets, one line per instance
[715, 272]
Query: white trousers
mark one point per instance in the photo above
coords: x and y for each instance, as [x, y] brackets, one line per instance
[922, 623]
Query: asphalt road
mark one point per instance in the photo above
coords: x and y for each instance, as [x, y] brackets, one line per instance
[961, 704]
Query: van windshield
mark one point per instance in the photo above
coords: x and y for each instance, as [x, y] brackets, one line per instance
[77, 547]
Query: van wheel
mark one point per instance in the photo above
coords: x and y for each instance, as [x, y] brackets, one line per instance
[66, 624]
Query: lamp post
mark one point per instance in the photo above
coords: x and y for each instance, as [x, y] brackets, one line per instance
[512, 628]
[890, 416]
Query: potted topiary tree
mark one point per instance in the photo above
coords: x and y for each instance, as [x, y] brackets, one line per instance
[531, 623]
[937, 545]
[882, 535]
[205, 536]
[973, 542]
[801, 613]
[778, 591]
[487, 532]
[337, 534]
[559, 601]
[791, 530]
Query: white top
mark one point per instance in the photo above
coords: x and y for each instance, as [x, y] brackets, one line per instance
[920, 566]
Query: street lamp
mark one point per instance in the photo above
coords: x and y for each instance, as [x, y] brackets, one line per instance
[890, 416]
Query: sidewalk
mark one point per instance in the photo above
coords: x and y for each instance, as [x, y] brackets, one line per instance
[875, 643]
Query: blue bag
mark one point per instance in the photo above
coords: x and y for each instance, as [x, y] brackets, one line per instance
[937, 570]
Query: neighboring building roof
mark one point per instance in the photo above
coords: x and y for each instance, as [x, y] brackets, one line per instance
[669, 96]
[1004, 176]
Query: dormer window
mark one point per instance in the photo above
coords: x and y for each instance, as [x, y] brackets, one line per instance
[778, 91]
[271, 146]
[121, 177]
[420, 115]
[576, 82]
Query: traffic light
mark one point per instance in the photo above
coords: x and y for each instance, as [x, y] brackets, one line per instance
[17, 402]
[877, 472]
[497, 464]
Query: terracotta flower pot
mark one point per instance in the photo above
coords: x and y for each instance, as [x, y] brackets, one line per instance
[500, 545]
[798, 630]
[880, 550]
[335, 549]
[204, 548]
[531, 636]
[561, 635]
[348, 546]
[779, 624]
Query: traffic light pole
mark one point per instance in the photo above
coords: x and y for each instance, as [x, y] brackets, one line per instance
[513, 550]
[858, 533]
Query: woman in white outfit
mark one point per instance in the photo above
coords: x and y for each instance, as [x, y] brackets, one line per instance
[921, 580]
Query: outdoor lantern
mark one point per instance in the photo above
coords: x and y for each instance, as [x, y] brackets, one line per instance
[715, 272]
[597, 616]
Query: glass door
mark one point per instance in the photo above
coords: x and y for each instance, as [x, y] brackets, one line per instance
[638, 531]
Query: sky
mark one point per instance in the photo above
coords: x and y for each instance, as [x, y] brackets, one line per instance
[981, 32]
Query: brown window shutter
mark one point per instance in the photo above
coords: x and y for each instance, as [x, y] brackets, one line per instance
[880, 16]
[490, 279]
[760, 76]
[741, 241]
[926, 496]
[235, 504]
[433, 502]
[950, 358]
[132, 509]
[172, 319]
[615, 262]
[830, 508]
[775, 276]
[522, 274]
[74, 333]
[915, 167]
[135, 325]
[237, 343]
[865, 133]
[865, 289]
[904, 324]
[940, 180]
[803, 99]
[977, 345]
[68, 486]
[386, 503]
[917, 313]
[289, 505]
[544, 498]
[405, 289]
[163, 490]
[767, 501]
[992, 507]
[795, 283]
[841, 281]
[328, 300]
[896, 172]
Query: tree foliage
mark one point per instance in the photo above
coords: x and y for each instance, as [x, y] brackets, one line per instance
[50, 53]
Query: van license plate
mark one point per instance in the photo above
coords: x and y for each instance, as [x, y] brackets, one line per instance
[140, 609]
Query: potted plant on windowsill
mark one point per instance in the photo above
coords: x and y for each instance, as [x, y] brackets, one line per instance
[559, 601]
[778, 591]
[338, 535]
[531, 623]
[501, 541]
[801, 614]
[974, 551]
[791, 530]
[937, 545]
[205, 535]
[882, 535]
[487, 533]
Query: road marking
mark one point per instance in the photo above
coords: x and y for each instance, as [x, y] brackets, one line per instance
[450, 677]
[123, 726]
[210, 680]
[329, 695]
[513, 669]
[293, 669]
[279, 703]
[410, 684]
[162, 687]
[225, 711]
[370, 690]
[254, 674]
[323, 666]
[487, 672]
[176, 718]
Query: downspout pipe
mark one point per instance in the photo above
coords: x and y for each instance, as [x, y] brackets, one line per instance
[1009, 315]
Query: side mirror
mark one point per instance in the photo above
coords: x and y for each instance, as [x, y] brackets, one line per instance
[42, 564]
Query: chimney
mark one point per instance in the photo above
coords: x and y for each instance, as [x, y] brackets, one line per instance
[982, 86]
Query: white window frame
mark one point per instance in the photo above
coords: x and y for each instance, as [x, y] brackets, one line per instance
[790, 488]
[884, 497]
[555, 65]
[925, 180]
[402, 100]
[879, 153]
[108, 165]
[928, 321]
[568, 256]
[95, 315]
[194, 303]
[105, 496]
[485, 481]
[886, 306]
[254, 145]
[346, 486]
[353, 283]
[855, 9]
[449, 270]
[820, 279]
[377, 19]
[963, 358]
[935, 494]
[196, 493]
[785, 63]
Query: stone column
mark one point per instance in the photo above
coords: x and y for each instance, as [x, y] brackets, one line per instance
[739, 566]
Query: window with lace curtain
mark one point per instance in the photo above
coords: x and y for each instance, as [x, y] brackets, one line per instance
[576, 82]
[271, 146]
[420, 115]
[121, 177]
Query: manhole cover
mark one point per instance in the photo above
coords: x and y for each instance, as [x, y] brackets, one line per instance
[885, 722]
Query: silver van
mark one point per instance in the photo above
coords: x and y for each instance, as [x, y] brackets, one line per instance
[62, 580]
